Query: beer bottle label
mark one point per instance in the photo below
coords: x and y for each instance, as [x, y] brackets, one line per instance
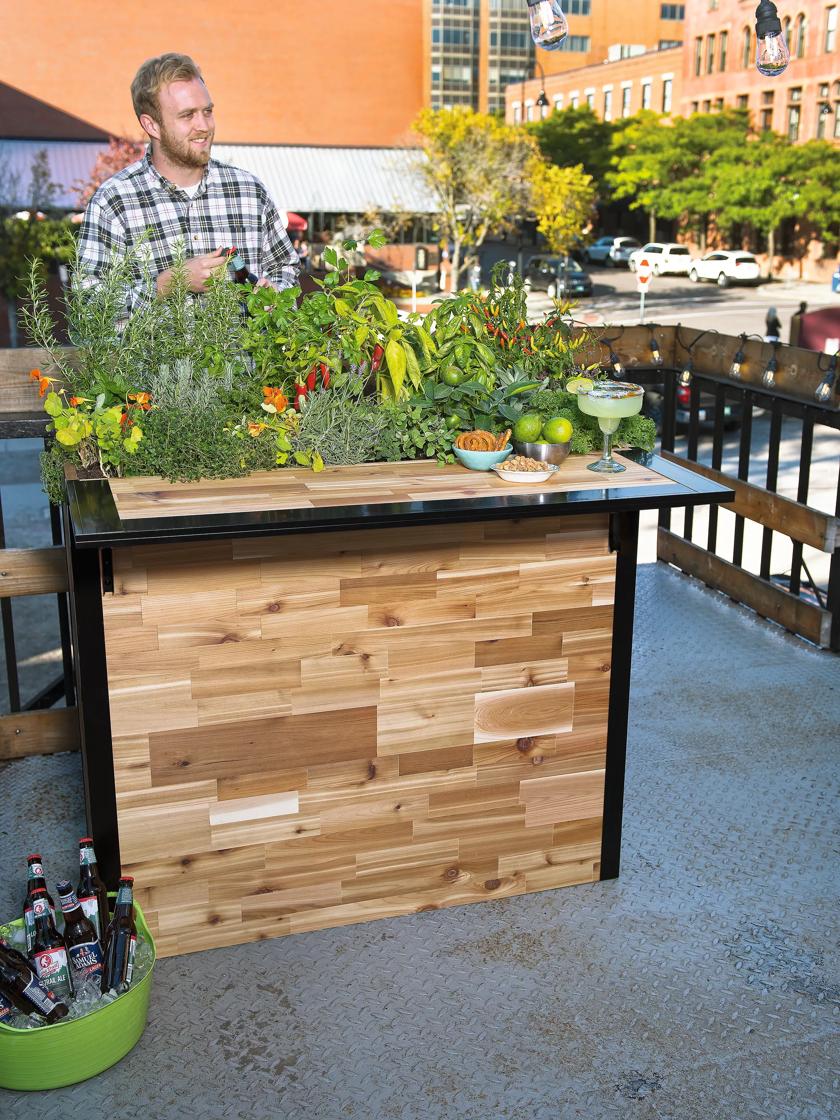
[7, 1009]
[68, 902]
[40, 906]
[90, 909]
[86, 857]
[123, 896]
[132, 948]
[53, 970]
[86, 959]
[29, 925]
[39, 996]
[36, 871]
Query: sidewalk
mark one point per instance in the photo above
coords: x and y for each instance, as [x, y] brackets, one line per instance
[700, 985]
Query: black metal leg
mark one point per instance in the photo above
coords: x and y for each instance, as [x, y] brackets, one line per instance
[624, 530]
[88, 633]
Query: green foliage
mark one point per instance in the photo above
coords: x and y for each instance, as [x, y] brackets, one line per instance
[52, 473]
[415, 432]
[564, 203]
[341, 424]
[576, 137]
[633, 431]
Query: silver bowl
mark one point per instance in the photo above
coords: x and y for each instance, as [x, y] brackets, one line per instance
[544, 452]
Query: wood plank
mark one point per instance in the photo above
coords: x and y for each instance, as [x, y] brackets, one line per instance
[18, 391]
[766, 600]
[32, 571]
[24, 734]
[799, 522]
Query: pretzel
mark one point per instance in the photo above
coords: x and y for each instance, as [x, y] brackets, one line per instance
[502, 441]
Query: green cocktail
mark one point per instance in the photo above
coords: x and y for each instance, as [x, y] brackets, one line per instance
[610, 402]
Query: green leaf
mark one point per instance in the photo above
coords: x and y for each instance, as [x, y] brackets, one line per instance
[317, 462]
[348, 246]
[331, 257]
[371, 274]
[53, 405]
[376, 239]
[396, 362]
[303, 458]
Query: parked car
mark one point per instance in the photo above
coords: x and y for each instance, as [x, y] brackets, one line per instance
[726, 267]
[664, 256]
[557, 276]
[611, 250]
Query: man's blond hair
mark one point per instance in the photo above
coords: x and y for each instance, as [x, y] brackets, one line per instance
[157, 72]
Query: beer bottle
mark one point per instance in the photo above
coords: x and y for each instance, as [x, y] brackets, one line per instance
[20, 988]
[34, 880]
[80, 940]
[91, 891]
[120, 940]
[241, 272]
[48, 954]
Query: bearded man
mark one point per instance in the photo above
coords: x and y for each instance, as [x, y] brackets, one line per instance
[178, 196]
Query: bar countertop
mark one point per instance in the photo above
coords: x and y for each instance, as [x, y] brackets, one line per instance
[375, 495]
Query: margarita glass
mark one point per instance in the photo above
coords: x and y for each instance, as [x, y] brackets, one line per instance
[610, 402]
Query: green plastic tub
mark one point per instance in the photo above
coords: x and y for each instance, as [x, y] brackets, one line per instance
[67, 1052]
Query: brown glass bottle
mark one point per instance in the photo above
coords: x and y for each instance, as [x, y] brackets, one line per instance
[83, 949]
[120, 940]
[48, 954]
[241, 272]
[21, 988]
[34, 880]
[91, 891]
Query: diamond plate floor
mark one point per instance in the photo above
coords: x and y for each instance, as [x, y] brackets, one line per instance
[704, 984]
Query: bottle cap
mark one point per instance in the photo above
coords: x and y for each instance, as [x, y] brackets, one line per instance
[64, 886]
[34, 856]
[86, 840]
[126, 878]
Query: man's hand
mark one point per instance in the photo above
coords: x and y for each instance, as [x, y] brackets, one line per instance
[198, 270]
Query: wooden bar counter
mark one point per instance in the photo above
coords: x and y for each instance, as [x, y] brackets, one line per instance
[310, 699]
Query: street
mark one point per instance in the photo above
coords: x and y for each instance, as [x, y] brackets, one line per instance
[674, 299]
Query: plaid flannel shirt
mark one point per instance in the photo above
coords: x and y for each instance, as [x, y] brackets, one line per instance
[231, 207]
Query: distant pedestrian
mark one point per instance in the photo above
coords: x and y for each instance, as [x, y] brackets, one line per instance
[475, 275]
[772, 326]
[303, 253]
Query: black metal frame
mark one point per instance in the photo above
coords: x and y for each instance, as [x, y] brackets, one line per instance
[624, 533]
[25, 427]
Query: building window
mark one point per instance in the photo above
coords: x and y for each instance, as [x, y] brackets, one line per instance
[608, 103]
[710, 54]
[558, 102]
[707, 106]
[746, 52]
[830, 28]
[698, 57]
[672, 11]
[578, 7]
[667, 94]
[580, 44]
[695, 106]
[743, 101]
[766, 110]
[823, 110]
[786, 25]
[573, 101]
[625, 101]
[646, 87]
[590, 99]
[718, 104]
[724, 47]
[517, 112]
[794, 116]
[801, 36]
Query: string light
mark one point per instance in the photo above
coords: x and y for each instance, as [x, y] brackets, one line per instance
[738, 360]
[825, 389]
[617, 367]
[655, 354]
[687, 371]
[771, 50]
[769, 375]
[549, 26]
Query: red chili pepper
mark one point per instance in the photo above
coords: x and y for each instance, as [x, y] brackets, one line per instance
[376, 360]
[300, 395]
[325, 375]
[310, 379]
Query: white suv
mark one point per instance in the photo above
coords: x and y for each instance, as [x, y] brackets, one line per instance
[663, 256]
[611, 250]
[726, 267]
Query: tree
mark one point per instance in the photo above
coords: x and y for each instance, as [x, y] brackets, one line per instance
[640, 163]
[576, 137]
[119, 154]
[563, 201]
[477, 167]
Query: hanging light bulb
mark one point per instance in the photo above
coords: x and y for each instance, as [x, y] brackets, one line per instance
[548, 24]
[738, 360]
[617, 367]
[687, 372]
[655, 355]
[825, 389]
[771, 51]
[769, 376]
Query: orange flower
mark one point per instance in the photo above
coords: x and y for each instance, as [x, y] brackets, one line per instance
[143, 399]
[35, 374]
[255, 429]
[75, 401]
[276, 397]
[44, 384]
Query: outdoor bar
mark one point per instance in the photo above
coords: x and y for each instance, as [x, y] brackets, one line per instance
[309, 700]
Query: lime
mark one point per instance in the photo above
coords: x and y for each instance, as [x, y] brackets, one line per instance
[557, 430]
[454, 420]
[452, 376]
[579, 385]
[528, 427]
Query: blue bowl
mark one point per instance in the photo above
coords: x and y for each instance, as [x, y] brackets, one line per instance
[482, 460]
